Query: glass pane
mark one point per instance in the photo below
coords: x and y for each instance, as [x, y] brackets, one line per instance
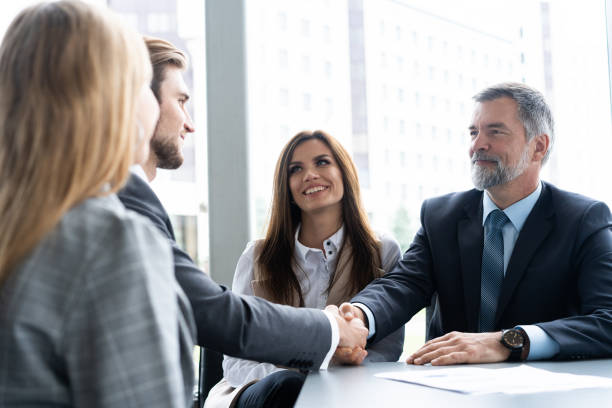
[393, 81]
[182, 191]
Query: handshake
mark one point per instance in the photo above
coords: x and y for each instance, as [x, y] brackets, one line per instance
[353, 334]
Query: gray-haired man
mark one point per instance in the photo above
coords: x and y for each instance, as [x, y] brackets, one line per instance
[521, 269]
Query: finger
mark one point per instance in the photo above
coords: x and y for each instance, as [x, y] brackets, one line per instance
[346, 310]
[446, 337]
[343, 351]
[360, 356]
[433, 346]
[357, 356]
[347, 355]
[432, 355]
[332, 308]
[458, 357]
[426, 348]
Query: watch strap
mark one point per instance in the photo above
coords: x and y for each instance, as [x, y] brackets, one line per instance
[526, 345]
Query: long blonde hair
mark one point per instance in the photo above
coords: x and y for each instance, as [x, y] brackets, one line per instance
[70, 74]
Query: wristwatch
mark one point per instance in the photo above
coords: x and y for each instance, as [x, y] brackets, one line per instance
[517, 341]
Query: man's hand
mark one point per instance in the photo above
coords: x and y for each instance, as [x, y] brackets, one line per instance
[353, 336]
[458, 348]
[349, 312]
[346, 355]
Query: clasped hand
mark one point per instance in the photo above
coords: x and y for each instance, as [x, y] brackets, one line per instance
[353, 337]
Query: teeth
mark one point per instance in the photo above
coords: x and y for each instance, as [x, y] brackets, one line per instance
[314, 190]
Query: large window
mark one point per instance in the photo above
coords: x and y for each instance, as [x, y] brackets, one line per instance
[393, 81]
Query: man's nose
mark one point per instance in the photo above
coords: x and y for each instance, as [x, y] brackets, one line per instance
[479, 142]
[189, 127]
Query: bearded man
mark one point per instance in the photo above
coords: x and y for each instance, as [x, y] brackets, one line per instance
[522, 270]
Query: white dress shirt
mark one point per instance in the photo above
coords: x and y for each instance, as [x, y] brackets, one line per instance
[314, 275]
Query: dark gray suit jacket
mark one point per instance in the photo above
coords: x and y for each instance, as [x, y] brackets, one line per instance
[241, 326]
[559, 275]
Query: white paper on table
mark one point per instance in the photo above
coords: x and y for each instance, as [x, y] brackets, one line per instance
[521, 379]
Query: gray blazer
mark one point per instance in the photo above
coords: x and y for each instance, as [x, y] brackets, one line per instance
[93, 317]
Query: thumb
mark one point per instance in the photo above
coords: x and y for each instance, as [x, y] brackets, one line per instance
[346, 309]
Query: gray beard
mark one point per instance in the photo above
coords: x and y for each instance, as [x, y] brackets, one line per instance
[484, 178]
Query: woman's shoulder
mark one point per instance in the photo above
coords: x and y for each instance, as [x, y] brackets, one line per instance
[95, 242]
[386, 239]
[108, 214]
[102, 225]
[245, 273]
[252, 249]
[390, 250]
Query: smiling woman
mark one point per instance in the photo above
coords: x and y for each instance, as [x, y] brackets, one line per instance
[319, 250]
[315, 180]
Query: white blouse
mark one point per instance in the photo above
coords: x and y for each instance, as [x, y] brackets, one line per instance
[313, 275]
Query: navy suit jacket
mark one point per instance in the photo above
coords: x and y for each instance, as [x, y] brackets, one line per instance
[559, 276]
[240, 326]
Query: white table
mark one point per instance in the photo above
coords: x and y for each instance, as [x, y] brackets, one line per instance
[357, 387]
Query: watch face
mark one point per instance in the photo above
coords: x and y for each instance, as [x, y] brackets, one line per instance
[513, 338]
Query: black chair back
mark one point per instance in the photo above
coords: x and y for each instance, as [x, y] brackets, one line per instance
[211, 372]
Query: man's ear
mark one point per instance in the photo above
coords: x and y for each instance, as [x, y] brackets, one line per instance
[542, 144]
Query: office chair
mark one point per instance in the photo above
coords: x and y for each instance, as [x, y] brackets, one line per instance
[211, 372]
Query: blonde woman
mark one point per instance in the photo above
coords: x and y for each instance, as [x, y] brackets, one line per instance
[90, 313]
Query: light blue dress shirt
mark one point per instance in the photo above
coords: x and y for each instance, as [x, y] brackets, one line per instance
[542, 346]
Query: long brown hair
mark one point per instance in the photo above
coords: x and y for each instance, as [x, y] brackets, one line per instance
[70, 74]
[276, 259]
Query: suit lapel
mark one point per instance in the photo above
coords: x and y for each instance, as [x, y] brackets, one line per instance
[142, 191]
[470, 238]
[538, 225]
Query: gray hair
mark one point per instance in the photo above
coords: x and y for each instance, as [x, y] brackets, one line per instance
[533, 111]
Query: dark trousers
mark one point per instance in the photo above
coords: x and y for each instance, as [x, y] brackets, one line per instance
[278, 389]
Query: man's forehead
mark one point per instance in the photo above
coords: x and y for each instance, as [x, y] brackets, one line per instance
[495, 110]
[173, 81]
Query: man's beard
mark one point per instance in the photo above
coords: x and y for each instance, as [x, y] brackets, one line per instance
[484, 178]
[168, 153]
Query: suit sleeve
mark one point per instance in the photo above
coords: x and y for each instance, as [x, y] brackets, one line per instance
[390, 348]
[245, 326]
[237, 371]
[394, 298]
[588, 333]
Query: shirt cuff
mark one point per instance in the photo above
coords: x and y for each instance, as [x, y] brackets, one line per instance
[335, 339]
[541, 345]
[370, 316]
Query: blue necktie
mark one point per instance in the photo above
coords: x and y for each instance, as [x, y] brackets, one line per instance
[492, 273]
